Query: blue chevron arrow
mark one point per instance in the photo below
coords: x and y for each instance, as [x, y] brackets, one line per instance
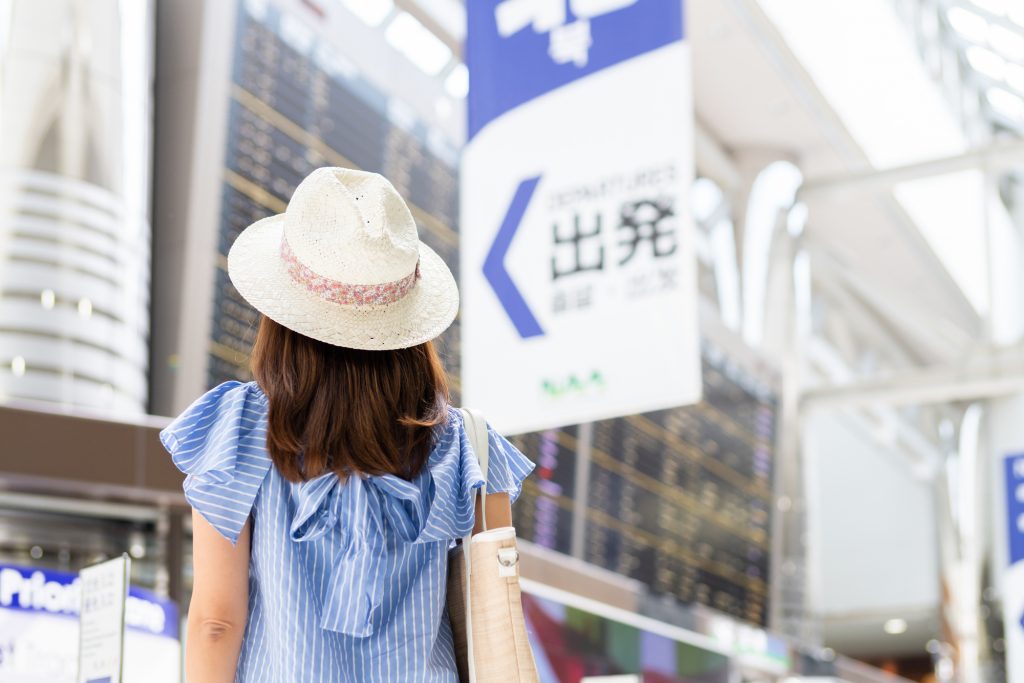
[494, 265]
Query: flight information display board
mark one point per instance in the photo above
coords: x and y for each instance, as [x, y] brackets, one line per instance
[290, 113]
[678, 499]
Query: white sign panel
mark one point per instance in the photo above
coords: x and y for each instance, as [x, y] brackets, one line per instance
[101, 621]
[577, 258]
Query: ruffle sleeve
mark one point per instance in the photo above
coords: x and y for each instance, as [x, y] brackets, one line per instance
[507, 467]
[219, 442]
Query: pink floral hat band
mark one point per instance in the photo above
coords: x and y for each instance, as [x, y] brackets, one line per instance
[343, 293]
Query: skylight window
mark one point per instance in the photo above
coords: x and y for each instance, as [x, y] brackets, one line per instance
[1015, 77]
[1016, 15]
[1006, 103]
[864, 62]
[1008, 43]
[948, 211]
[970, 25]
[418, 44]
[987, 62]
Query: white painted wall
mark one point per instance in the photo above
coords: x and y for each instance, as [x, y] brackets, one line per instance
[871, 530]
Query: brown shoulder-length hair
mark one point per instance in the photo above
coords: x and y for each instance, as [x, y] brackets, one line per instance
[345, 410]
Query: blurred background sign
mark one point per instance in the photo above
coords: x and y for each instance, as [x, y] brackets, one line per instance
[1013, 576]
[103, 596]
[39, 630]
[578, 272]
[577, 639]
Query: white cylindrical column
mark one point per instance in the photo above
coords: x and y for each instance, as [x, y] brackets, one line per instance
[76, 129]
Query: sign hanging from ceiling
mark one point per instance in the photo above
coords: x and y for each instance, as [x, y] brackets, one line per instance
[578, 265]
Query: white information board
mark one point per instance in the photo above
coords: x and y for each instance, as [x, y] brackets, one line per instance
[101, 620]
[577, 252]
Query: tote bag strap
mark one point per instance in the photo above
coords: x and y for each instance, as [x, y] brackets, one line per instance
[476, 428]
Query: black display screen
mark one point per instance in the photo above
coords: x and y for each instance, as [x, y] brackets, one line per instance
[677, 499]
[287, 117]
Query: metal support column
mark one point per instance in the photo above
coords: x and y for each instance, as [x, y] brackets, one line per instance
[581, 490]
[789, 569]
[174, 559]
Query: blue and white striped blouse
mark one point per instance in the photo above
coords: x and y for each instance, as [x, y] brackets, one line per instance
[347, 578]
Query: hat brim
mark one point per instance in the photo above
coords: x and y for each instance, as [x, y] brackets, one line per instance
[259, 274]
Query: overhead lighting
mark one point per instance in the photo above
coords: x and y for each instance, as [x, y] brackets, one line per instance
[987, 62]
[297, 34]
[457, 83]
[947, 210]
[970, 25]
[137, 545]
[443, 107]
[257, 8]
[994, 6]
[84, 308]
[1015, 77]
[895, 627]
[47, 298]
[415, 41]
[334, 62]
[18, 366]
[1008, 43]
[1005, 103]
[370, 12]
[1016, 15]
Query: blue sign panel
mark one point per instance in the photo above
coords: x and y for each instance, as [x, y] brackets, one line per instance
[1014, 466]
[517, 50]
[59, 593]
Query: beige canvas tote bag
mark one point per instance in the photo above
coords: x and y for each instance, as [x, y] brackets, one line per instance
[484, 601]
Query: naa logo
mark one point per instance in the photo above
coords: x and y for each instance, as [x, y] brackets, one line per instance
[573, 384]
[568, 28]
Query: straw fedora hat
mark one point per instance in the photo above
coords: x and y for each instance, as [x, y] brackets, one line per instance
[344, 264]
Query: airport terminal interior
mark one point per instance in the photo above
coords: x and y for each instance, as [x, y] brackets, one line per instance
[802, 455]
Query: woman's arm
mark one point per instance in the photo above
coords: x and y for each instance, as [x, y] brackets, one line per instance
[499, 512]
[220, 603]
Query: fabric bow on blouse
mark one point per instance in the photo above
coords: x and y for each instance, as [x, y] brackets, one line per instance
[220, 443]
[374, 509]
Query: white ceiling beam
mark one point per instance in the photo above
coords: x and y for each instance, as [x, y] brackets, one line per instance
[436, 26]
[996, 157]
[985, 375]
